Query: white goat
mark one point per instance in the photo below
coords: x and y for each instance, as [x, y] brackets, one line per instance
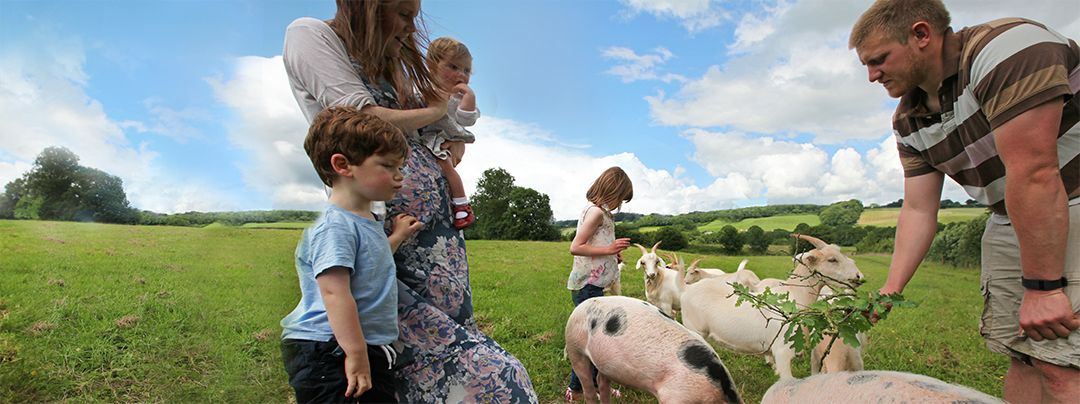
[663, 285]
[842, 356]
[873, 386]
[632, 343]
[709, 305]
[741, 275]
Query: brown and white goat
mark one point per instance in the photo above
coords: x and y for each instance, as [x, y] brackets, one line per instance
[631, 342]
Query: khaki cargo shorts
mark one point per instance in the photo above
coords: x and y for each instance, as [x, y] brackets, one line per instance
[1001, 289]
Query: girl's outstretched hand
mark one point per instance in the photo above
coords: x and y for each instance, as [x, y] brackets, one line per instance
[619, 245]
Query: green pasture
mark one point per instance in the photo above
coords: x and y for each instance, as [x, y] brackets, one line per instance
[277, 225]
[108, 313]
[787, 222]
[886, 217]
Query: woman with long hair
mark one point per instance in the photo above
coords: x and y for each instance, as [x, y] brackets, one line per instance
[369, 56]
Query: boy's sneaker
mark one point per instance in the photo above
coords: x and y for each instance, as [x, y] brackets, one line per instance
[461, 223]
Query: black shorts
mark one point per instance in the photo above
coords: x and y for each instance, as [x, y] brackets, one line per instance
[317, 373]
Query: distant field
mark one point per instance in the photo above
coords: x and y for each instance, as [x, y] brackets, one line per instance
[886, 217]
[786, 222]
[880, 217]
[277, 225]
[108, 313]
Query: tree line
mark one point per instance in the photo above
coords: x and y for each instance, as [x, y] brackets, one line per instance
[58, 188]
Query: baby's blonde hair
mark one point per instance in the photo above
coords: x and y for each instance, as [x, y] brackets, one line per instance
[894, 18]
[611, 189]
[445, 48]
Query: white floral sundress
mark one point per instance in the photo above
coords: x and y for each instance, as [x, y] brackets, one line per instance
[599, 270]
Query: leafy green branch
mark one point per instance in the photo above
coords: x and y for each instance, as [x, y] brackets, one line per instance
[844, 314]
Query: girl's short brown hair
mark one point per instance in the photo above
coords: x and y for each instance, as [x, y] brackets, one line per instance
[611, 189]
[354, 134]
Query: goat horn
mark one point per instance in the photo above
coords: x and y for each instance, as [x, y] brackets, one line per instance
[643, 250]
[656, 245]
[813, 240]
[694, 264]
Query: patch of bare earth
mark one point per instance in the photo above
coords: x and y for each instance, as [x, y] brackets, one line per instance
[263, 335]
[40, 327]
[127, 321]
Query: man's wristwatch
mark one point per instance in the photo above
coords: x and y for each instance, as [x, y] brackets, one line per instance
[1039, 284]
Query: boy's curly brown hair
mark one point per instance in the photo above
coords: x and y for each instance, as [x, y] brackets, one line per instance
[354, 134]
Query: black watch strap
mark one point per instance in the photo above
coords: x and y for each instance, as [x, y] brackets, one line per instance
[1039, 284]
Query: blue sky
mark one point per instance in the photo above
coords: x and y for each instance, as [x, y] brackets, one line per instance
[707, 104]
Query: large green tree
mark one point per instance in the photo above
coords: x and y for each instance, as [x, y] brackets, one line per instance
[756, 239]
[505, 211]
[730, 240]
[58, 188]
[842, 213]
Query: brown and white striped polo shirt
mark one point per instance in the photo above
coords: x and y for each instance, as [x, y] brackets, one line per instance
[994, 72]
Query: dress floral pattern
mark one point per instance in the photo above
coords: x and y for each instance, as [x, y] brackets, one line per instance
[445, 357]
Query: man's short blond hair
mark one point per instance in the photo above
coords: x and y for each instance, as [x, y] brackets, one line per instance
[894, 18]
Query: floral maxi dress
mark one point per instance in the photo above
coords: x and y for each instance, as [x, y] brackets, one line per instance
[446, 358]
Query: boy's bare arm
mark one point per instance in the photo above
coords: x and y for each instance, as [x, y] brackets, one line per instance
[345, 323]
[402, 228]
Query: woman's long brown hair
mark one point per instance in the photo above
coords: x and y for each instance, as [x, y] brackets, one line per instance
[359, 25]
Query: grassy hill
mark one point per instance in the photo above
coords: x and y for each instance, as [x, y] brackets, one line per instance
[108, 313]
[880, 217]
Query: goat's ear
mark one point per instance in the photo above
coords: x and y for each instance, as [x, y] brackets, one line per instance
[638, 265]
[811, 257]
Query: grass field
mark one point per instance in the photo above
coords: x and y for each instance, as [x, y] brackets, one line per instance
[106, 313]
[880, 217]
[887, 216]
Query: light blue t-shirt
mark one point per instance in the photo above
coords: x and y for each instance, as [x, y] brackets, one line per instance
[341, 238]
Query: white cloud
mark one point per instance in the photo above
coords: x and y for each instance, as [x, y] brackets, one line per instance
[636, 67]
[173, 123]
[791, 72]
[269, 126]
[694, 15]
[43, 103]
[564, 174]
[12, 171]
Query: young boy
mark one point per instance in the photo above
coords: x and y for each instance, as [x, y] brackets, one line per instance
[335, 344]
